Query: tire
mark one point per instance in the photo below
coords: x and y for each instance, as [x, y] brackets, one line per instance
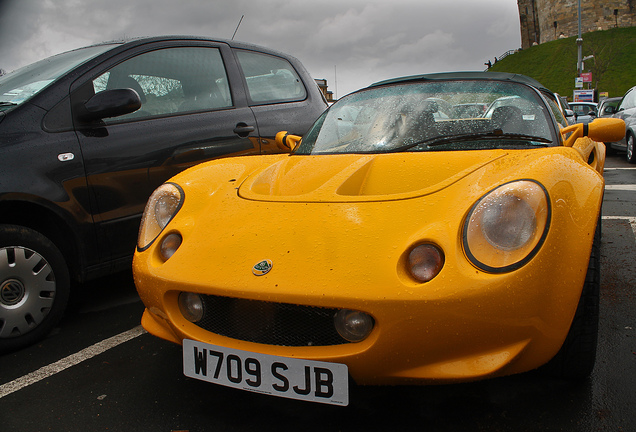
[575, 360]
[631, 152]
[34, 287]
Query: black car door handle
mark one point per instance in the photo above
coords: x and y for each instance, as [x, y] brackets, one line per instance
[243, 130]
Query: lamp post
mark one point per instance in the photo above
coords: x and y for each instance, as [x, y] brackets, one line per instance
[579, 43]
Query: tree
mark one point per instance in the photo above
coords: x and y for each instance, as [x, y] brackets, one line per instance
[603, 58]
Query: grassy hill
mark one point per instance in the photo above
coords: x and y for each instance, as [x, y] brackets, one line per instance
[554, 63]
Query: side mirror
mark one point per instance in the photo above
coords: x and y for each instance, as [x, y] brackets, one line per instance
[568, 112]
[111, 103]
[287, 142]
[609, 110]
[592, 113]
[601, 130]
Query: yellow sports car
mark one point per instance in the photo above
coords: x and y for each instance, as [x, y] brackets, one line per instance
[396, 244]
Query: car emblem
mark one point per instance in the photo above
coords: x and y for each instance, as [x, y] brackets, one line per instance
[262, 268]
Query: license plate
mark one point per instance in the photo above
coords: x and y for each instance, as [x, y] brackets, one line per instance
[287, 377]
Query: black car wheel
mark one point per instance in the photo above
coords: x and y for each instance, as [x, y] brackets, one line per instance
[631, 156]
[576, 358]
[34, 286]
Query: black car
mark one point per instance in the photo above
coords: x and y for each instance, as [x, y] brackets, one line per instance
[87, 135]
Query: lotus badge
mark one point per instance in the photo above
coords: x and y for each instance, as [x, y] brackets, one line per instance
[262, 268]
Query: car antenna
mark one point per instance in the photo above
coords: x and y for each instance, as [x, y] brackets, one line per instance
[239, 24]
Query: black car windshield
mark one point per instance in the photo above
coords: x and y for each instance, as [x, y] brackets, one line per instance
[22, 84]
[432, 116]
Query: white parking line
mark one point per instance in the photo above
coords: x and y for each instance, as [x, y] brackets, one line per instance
[72, 360]
[631, 220]
[625, 187]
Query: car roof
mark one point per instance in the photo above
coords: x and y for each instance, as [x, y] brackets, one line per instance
[486, 76]
[131, 42]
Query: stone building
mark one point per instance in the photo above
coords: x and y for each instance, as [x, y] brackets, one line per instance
[547, 20]
[322, 85]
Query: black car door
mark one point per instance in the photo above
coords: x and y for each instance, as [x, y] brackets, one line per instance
[193, 109]
[278, 96]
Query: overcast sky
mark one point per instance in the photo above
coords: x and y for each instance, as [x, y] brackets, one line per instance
[351, 43]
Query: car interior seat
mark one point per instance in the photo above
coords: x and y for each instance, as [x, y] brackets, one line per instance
[508, 119]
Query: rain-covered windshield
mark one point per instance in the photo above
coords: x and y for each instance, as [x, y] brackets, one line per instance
[433, 115]
[22, 84]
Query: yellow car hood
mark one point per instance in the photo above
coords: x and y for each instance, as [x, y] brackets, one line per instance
[347, 178]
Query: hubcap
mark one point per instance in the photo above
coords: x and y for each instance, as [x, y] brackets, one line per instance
[27, 290]
[11, 292]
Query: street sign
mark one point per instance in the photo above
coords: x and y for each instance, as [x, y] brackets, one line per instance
[583, 95]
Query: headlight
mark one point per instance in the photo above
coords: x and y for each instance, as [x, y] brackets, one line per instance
[507, 226]
[191, 306]
[425, 262]
[162, 205]
[353, 326]
[169, 245]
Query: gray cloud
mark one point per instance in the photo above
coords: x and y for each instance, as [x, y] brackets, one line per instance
[349, 43]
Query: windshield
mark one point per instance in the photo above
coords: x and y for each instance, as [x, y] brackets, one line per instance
[22, 84]
[433, 115]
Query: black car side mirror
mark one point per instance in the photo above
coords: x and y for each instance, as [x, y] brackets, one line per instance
[609, 110]
[111, 103]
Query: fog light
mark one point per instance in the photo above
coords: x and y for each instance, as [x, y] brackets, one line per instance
[425, 262]
[191, 306]
[169, 245]
[353, 326]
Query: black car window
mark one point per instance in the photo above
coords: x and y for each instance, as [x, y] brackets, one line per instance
[269, 78]
[172, 80]
[24, 83]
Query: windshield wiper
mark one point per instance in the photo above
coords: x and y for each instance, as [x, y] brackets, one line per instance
[5, 104]
[441, 140]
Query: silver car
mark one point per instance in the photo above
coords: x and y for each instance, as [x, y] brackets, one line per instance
[627, 112]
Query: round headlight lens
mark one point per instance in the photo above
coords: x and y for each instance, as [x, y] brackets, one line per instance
[165, 207]
[352, 325]
[507, 226]
[162, 205]
[191, 306]
[425, 262]
[507, 222]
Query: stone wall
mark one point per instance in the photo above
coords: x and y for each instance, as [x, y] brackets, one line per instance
[546, 20]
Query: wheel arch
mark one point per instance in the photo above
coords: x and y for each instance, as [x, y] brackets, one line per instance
[56, 227]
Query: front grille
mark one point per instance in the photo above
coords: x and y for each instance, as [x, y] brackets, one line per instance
[269, 323]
